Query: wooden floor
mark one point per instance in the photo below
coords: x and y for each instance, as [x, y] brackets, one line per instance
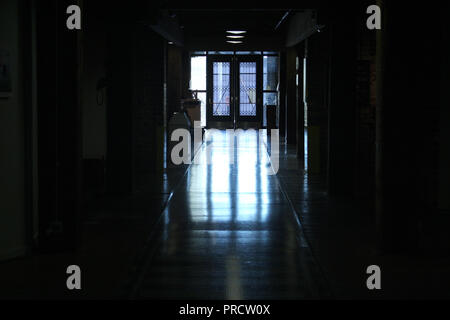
[228, 232]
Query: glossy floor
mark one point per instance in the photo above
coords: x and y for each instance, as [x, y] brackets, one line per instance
[228, 231]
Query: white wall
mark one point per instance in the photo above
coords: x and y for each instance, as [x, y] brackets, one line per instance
[12, 191]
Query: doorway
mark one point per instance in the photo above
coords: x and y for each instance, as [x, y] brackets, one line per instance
[234, 91]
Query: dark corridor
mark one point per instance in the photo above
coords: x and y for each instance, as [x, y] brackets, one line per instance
[157, 150]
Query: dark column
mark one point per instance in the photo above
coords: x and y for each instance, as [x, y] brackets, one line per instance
[136, 105]
[27, 16]
[119, 113]
[47, 111]
[300, 125]
[291, 97]
[341, 111]
[444, 127]
[59, 122]
[407, 117]
[148, 100]
[282, 95]
[186, 67]
[174, 78]
[316, 99]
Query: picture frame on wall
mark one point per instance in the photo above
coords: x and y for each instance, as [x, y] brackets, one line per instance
[5, 74]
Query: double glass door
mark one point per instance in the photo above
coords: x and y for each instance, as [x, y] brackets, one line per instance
[234, 91]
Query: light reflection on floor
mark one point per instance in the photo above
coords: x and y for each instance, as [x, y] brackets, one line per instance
[229, 232]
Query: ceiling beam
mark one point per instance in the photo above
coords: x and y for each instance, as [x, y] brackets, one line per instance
[168, 28]
[301, 26]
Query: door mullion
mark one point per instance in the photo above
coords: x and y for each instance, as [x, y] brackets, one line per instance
[234, 100]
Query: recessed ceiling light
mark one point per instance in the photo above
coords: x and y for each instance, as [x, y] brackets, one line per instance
[237, 31]
[235, 37]
[229, 41]
[170, 42]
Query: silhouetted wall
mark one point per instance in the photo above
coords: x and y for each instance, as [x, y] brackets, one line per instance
[407, 125]
[174, 78]
[291, 96]
[12, 135]
[148, 105]
[317, 77]
[341, 110]
[444, 126]
[136, 67]
[94, 101]
[281, 112]
[365, 114]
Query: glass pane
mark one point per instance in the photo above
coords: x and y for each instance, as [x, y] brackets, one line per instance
[270, 66]
[247, 88]
[221, 88]
[269, 98]
[198, 73]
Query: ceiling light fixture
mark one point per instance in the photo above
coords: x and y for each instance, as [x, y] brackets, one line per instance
[237, 31]
[235, 37]
[229, 41]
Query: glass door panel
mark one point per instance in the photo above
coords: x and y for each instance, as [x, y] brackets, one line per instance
[249, 89]
[234, 94]
[221, 88]
[220, 108]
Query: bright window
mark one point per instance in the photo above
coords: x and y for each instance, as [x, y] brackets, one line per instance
[198, 83]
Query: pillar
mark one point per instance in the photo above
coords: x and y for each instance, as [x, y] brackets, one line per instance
[291, 96]
[282, 93]
[408, 75]
[341, 112]
[300, 125]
